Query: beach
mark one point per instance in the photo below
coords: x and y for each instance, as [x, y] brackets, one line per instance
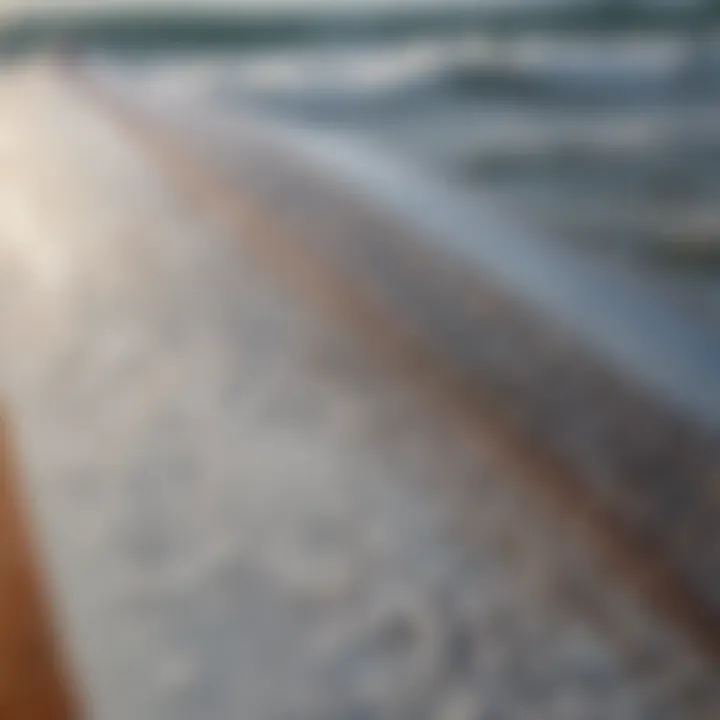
[245, 502]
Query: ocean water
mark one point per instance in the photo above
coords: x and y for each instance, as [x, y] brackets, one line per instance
[612, 146]
[608, 144]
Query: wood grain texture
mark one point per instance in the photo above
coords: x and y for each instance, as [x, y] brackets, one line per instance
[33, 683]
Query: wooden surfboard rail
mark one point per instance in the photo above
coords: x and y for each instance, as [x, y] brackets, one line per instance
[34, 680]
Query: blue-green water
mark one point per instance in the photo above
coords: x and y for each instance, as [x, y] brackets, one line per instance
[611, 144]
[607, 151]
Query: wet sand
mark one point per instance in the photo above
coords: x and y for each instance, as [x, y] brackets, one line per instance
[637, 467]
